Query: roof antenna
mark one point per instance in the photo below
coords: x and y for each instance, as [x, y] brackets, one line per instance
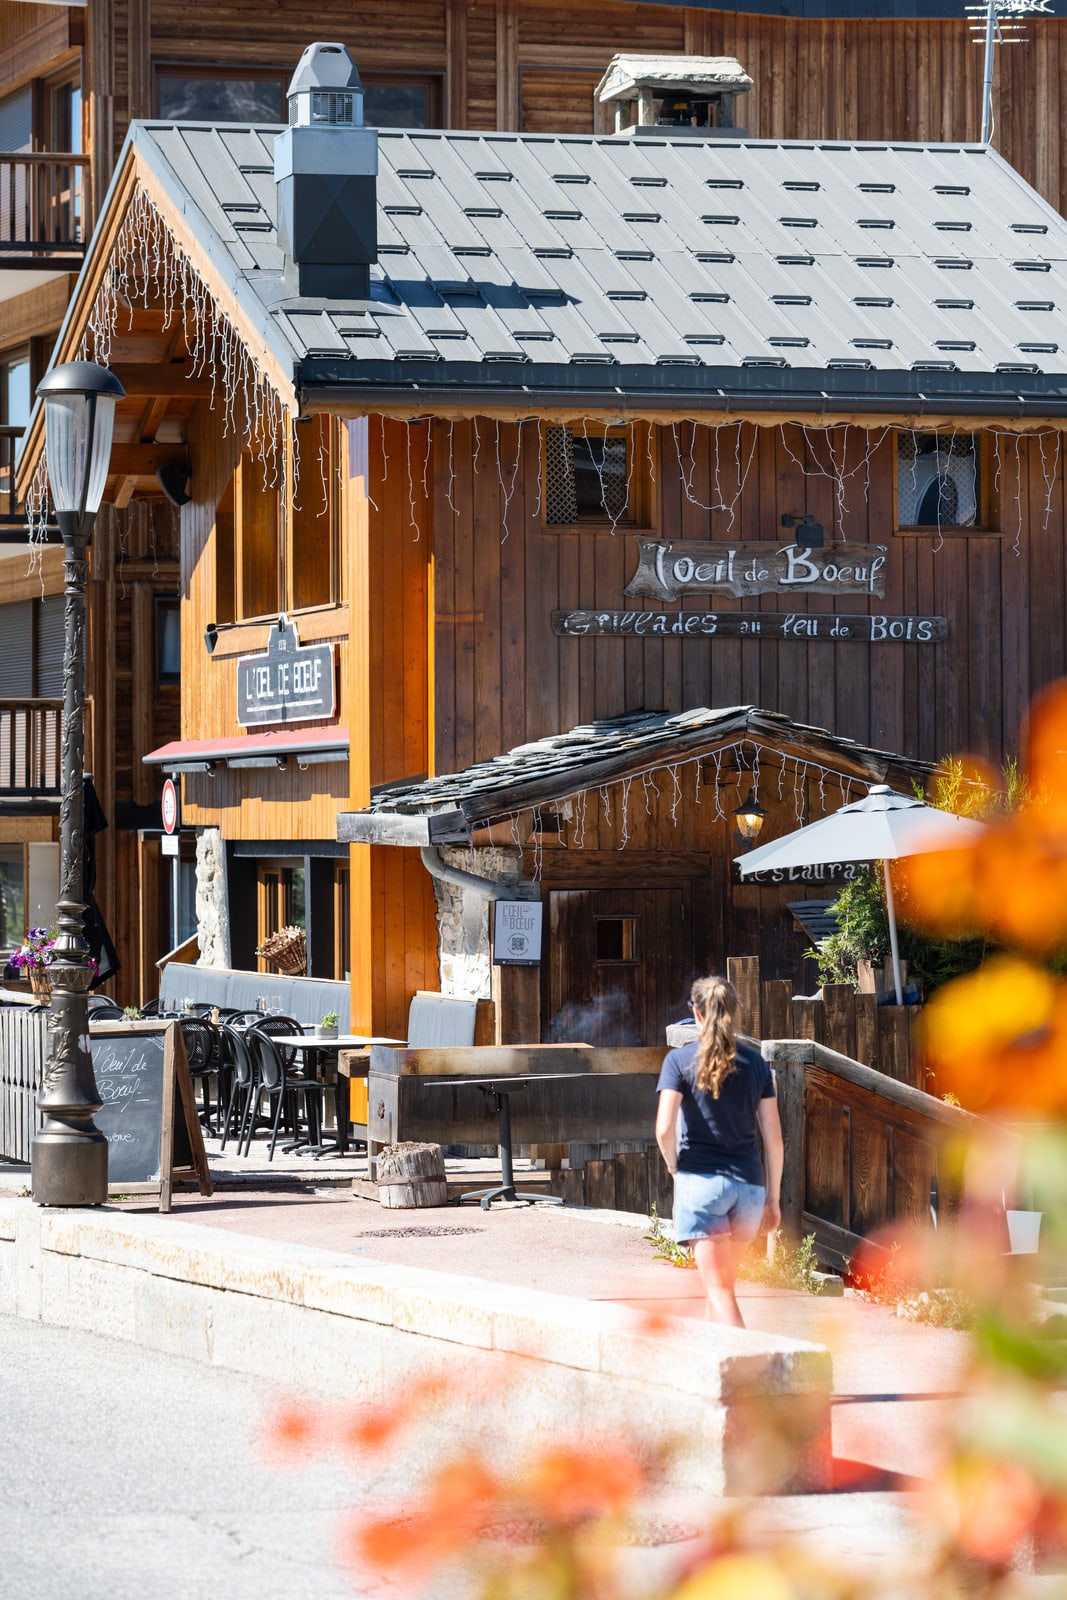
[997, 22]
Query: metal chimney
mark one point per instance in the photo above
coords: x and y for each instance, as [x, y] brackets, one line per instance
[688, 94]
[326, 169]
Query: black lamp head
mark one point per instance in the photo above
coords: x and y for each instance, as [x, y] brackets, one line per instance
[173, 478]
[808, 533]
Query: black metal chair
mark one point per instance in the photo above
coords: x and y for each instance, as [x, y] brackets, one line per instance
[236, 1064]
[284, 1085]
[203, 1052]
[103, 1009]
[151, 1008]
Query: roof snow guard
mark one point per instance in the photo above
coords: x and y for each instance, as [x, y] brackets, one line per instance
[449, 809]
[653, 273]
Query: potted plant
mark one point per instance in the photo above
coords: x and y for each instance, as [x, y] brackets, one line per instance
[33, 958]
[326, 1027]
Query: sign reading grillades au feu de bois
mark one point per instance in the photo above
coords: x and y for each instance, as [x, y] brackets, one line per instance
[666, 569]
[288, 682]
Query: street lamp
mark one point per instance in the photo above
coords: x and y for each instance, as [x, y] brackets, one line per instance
[748, 820]
[68, 1158]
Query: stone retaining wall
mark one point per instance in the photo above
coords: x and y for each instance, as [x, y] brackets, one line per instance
[743, 1412]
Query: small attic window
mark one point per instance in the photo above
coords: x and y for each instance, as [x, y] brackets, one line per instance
[586, 477]
[938, 480]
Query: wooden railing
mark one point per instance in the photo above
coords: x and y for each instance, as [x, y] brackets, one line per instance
[855, 1025]
[862, 1151]
[23, 1042]
[30, 738]
[45, 204]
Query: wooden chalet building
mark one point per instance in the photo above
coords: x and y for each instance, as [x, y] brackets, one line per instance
[483, 564]
[72, 78]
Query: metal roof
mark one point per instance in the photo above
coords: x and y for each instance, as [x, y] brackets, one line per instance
[450, 807]
[706, 273]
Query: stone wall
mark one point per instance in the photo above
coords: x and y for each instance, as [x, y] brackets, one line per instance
[212, 906]
[463, 918]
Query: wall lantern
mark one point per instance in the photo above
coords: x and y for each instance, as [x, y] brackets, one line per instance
[808, 532]
[748, 819]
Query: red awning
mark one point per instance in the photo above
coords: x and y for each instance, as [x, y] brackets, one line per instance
[306, 746]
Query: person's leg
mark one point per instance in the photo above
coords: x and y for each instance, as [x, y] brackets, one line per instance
[717, 1259]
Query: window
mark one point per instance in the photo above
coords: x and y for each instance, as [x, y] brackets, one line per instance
[31, 649]
[312, 542]
[168, 639]
[12, 896]
[281, 902]
[197, 94]
[408, 102]
[616, 939]
[939, 481]
[15, 389]
[587, 477]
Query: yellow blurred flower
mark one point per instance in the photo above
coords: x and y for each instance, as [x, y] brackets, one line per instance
[737, 1577]
[998, 1037]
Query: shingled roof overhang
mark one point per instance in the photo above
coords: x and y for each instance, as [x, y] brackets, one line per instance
[345, 387]
[451, 808]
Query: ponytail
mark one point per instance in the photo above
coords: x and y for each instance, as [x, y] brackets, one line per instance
[717, 1006]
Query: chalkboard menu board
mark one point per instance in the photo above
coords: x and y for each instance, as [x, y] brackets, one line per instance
[148, 1113]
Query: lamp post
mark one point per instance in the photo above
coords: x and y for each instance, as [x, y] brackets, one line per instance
[748, 820]
[68, 1158]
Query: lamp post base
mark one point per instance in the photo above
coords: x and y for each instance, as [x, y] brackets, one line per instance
[68, 1168]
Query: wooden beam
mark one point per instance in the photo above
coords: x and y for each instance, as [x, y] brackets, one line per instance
[151, 417]
[144, 460]
[146, 376]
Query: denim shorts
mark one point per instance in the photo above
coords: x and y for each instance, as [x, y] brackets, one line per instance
[707, 1205]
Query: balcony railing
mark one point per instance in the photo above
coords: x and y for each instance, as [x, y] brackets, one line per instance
[30, 736]
[45, 205]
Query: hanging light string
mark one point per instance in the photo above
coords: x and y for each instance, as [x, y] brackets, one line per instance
[749, 759]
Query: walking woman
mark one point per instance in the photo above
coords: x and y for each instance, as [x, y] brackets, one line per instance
[724, 1088]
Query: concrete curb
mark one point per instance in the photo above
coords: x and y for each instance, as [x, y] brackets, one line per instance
[743, 1412]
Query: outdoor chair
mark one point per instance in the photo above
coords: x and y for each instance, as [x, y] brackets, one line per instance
[151, 1008]
[203, 1052]
[103, 1009]
[236, 1065]
[284, 1086]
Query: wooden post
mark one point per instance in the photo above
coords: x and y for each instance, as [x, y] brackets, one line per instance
[789, 1078]
[839, 1003]
[743, 973]
[776, 1008]
[808, 1020]
[517, 1004]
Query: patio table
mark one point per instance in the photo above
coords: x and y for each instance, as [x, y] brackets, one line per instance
[315, 1048]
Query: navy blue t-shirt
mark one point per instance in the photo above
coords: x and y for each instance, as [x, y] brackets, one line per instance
[719, 1136]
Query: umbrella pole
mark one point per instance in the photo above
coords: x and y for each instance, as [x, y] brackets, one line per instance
[893, 948]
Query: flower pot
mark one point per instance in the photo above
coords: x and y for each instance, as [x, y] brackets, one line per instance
[40, 982]
[322, 1031]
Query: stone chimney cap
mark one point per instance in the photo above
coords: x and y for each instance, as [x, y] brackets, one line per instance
[325, 66]
[627, 75]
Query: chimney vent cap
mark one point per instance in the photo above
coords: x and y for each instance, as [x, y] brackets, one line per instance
[627, 75]
[325, 90]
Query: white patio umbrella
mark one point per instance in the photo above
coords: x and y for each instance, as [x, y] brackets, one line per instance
[880, 827]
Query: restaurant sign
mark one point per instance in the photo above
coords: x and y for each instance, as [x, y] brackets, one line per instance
[830, 873]
[804, 626]
[666, 569]
[288, 682]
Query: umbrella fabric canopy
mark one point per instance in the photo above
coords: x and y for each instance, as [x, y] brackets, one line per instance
[880, 827]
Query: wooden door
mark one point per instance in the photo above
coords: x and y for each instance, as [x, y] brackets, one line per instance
[619, 964]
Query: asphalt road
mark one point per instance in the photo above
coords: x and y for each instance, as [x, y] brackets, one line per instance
[130, 1475]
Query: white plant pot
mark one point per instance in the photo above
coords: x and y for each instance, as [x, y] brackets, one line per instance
[1024, 1230]
[322, 1032]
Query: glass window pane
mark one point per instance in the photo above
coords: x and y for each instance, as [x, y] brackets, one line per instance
[220, 99]
[15, 392]
[938, 480]
[12, 898]
[396, 105]
[168, 641]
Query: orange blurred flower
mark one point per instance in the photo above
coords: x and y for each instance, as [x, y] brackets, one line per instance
[568, 1483]
[991, 1505]
[291, 1431]
[373, 1427]
[739, 1576]
[461, 1500]
[998, 1037]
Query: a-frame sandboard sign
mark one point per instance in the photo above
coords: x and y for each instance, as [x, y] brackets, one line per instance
[149, 1109]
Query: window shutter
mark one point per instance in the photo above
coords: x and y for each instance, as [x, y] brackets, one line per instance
[49, 651]
[16, 651]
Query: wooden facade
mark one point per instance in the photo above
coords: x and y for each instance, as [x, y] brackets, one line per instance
[449, 513]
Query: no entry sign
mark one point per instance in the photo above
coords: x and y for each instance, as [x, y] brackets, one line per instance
[169, 806]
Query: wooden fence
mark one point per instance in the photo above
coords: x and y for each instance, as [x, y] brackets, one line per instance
[23, 1043]
[855, 1025]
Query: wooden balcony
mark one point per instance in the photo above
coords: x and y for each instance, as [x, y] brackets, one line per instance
[45, 210]
[30, 737]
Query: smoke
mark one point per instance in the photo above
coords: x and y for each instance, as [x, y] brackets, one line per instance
[607, 1021]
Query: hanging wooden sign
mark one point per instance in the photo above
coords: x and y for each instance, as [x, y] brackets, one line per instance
[831, 873]
[668, 569]
[288, 682]
[800, 625]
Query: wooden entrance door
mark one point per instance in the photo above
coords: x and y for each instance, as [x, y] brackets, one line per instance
[619, 964]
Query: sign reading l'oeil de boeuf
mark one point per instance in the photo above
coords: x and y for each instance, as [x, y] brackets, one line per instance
[666, 570]
[288, 682]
